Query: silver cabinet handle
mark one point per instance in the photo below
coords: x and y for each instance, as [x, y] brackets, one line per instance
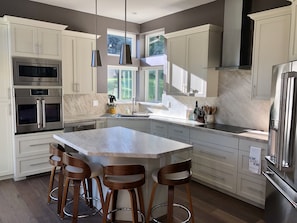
[43, 113]
[38, 113]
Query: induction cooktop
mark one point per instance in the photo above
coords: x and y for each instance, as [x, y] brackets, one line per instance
[226, 128]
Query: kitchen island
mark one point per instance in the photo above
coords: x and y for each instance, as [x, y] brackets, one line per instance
[119, 145]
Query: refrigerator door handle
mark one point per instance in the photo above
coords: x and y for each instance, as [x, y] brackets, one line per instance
[267, 174]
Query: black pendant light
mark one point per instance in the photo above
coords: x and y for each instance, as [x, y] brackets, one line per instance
[96, 59]
[125, 54]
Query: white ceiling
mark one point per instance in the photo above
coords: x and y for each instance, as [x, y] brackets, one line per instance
[138, 11]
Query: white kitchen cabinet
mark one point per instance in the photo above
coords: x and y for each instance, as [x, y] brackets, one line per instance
[6, 132]
[270, 47]
[31, 38]
[138, 124]
[251, 186]
[78, 75]
[178, 132]
[214, 159]
[159, 128]
[193, 55]
[101, 123]
[293, 33]
[32, 153]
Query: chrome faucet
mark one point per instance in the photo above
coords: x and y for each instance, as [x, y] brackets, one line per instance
[133, 105]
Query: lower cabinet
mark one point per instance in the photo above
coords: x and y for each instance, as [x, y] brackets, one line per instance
[250, 185]
[131, 123]
[159, 128]
[32, 154]
[214, 159]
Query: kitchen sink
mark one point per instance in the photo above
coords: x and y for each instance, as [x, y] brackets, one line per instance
[132, 115]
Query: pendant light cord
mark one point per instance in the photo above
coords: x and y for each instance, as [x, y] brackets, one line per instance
[96, 2]
[125, 21]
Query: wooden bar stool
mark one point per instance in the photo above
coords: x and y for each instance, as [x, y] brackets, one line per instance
[77, 169]
[124, 177]
[171, 176]
[55, 159]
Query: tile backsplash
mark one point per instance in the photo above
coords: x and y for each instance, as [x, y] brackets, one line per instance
[234, 103]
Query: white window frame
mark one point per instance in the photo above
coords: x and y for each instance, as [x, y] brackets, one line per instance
[147, 43]
[146, 86]
[122, 33]
[134, 70]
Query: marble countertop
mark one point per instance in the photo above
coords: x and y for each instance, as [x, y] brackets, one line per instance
[120, 142]
[250, 133]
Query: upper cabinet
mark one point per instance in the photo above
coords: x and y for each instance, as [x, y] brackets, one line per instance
[193, 55]
[31, 38]
[78, 75]
[271, 47]
[293, 37]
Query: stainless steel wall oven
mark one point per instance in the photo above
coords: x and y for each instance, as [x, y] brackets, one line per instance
[37, 72]
[38, 109]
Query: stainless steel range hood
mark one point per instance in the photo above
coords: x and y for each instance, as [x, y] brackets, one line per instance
[237, 36]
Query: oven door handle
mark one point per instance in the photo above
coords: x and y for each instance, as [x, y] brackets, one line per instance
[38, 105]
[43, 113]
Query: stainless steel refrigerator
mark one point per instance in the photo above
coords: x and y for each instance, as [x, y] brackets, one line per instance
[281, 172]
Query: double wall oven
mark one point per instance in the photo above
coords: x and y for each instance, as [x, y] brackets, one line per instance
[38, 95]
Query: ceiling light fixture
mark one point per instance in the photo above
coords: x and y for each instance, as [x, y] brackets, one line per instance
[125, 54]
[96, 59]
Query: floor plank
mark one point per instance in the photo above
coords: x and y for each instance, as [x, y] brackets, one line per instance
[26, 202]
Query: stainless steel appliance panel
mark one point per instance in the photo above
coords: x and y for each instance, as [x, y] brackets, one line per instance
[38, 110]
[37, 72]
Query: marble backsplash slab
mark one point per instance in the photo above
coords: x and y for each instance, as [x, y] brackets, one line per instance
[234, 103]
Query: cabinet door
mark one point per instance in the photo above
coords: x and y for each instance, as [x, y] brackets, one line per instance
[5, 81]
[69, 61]
[271, 47]
[159, 128]
[85, 74]
[6, 159]
[49, 43]
[178, 80]
[23, 40]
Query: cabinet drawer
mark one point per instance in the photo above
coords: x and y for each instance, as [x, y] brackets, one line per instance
[33, 144]
[220, 178]
[243, 164]
[245, 145]
[251, 188]
[32, 165]
[159, 128]
[198, 136]
[217, 158]
[179, 133]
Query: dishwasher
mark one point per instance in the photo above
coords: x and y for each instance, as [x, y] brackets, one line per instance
[78, 126]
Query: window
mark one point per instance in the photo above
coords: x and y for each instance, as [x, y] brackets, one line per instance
[116, 38]
[121, 82]
[154, 79]
[155, 44]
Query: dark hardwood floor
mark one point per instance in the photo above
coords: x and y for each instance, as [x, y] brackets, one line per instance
[26, 202]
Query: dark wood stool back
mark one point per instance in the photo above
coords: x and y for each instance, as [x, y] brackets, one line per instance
[123, 177]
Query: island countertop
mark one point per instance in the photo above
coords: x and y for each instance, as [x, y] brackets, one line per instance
[120, 142]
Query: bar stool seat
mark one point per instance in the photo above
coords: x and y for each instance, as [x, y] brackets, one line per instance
[78, 169]
[171, 176]
[124, 177]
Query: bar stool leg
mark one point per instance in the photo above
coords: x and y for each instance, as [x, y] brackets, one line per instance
[133, 202]
[106, 206]
[170, 204]
[100, 191]
[75, 199]
[65, 192]
[141, 201]
[51, 184]
[151, 202]
[114, 204]
[190, 201]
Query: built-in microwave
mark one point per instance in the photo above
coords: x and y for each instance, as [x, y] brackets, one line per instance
[36, 72]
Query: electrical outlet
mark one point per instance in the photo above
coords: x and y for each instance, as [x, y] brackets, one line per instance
[95, 103]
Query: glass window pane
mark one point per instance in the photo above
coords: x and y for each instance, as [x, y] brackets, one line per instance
[113, 82]
[160, 84]
[126, 84]
[114, 43]
[156, 45]
[152, 85]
